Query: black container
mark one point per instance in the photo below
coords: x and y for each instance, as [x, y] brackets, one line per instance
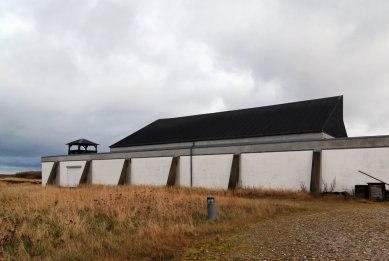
[362, 191]
[376, 191]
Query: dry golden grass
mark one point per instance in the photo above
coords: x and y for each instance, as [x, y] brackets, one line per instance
[18, 180]
[124, 222]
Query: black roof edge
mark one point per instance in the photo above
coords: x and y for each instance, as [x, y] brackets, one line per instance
[220, 138]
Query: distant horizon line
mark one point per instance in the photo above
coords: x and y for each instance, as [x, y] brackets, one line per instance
[15, 170]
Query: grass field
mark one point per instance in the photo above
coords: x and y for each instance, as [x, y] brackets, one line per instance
[127, 222]
[16, 180]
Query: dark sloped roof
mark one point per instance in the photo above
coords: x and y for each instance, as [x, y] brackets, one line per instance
[320, 115]
[82, 142]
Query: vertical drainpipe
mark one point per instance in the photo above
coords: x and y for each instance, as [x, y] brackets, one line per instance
[191, 164]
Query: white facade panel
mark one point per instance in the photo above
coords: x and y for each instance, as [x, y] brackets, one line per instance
[68, 172]
[340, 167]
[276, 170]
[150, 171]
[183, 173]
[46, 169]
[212, 171]
[106, 172]
[73, 175]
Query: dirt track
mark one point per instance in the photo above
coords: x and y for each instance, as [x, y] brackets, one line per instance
[351, 232]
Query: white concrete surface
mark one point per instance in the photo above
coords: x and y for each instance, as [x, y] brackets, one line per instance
[150, 171]
[183, 173]
[212, 171]
[276, 170]
[341, 167]
[69, 171]
[73, 175]
[105, 172]
[46, 169]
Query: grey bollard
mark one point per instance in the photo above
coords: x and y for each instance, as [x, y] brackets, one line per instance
[211, 209]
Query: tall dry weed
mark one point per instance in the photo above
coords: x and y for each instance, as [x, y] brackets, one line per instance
[122, 222]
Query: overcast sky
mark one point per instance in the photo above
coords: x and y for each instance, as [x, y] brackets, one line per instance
[103, 69]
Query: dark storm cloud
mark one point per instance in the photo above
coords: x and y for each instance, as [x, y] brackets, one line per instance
[102, 69]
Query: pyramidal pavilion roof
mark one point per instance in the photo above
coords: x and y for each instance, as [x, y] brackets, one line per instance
[311, 116]
[82, 142]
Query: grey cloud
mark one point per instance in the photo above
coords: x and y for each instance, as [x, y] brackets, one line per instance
[102, 69]
[310, 50]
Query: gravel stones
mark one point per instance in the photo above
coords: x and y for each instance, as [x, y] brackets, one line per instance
[347, 232]
[342, 234]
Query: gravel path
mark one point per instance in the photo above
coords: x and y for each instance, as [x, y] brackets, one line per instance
[359, 232]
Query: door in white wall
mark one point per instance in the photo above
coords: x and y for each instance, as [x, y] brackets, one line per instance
[73, 175]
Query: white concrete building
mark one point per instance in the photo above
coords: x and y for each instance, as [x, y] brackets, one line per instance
[294, 146]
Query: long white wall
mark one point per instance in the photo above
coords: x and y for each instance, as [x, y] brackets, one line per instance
[276, 170]
[270, 170]
[211, 171]
[340, 167]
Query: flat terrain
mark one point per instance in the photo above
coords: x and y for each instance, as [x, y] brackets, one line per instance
[29, 177]
[162, 223]
[16, 180]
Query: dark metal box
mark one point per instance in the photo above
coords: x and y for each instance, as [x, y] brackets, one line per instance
[376, 191]
[362, 191]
